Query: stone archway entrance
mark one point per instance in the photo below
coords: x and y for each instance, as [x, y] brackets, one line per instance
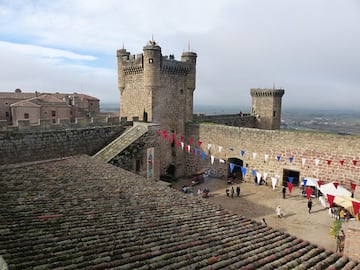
[237, 168]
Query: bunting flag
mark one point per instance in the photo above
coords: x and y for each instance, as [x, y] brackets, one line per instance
[220, 148]
[342, 162]
[253, 172]
[319, 183]
[290, 186]
[209, 146]
[158, 132]
[330, 199]
[199, 143]
[304, 181]
[182, 145]
[291, 159]
[328, 161]
[212, 159]
[195, 151]
[188, 148]
[354, 162]
[308, 191]
[290, 179]
[356, 206]
[278, 157]
[353, 186]
[221, 160]
[303, 160]
[336, 184]
[232, 166]
[317, 162]
[164, 134]
[266, 157]
[243, 170]
[254, 155]
[203, 155]
[182, 138]
[178, 143]
[242, 153]
[191, 140]
[172, 137]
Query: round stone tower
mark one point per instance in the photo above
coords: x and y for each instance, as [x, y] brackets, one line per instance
[152, 64]
[266, 107]
[190, 58]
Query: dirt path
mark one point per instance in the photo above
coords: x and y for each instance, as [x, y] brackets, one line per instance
[258, 202]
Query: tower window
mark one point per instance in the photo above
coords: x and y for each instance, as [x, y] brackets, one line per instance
[274, 113]
[26, 116]
[151, 60]
[53, 113]
[181, 91]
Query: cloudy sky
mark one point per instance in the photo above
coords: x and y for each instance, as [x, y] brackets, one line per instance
[310, 48]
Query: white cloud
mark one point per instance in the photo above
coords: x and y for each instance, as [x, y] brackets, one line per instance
[308, 47]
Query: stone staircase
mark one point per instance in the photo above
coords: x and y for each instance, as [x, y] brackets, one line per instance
[122, 142]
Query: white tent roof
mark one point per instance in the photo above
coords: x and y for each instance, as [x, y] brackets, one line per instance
[330, 189]
[311, 182]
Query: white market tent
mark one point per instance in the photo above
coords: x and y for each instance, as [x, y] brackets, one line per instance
[332, 190]
[310, 182]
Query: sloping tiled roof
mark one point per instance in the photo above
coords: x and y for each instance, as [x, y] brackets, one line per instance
[78, 213]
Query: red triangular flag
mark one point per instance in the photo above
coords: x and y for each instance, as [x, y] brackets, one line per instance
[164, 134]
[356, 207]
[328, 161]
[290, 186]
[342, 162]
[336, 184]
[308, 192]
[319, 183]
[178, 143]
[191, 141]
[172, 137]
[199, 143]
[330, 199]
[353, 186]
[354, 162]
[182, 138]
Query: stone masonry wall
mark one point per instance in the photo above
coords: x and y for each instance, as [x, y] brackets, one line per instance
[352, 236]
[299, 144]
[26, 146]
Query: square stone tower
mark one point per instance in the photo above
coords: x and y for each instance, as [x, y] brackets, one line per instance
[158, 89]
[266, 107]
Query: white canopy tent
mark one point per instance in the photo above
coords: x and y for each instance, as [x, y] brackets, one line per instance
[311, 182]
[332, 190]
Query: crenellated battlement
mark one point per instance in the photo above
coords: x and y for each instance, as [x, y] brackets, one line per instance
[265, 92]
[174, 67]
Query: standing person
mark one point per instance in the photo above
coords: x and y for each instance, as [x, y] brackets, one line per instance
[232, 192]
[279, 212]
[309, 205]
[238, 191]
[227, 192]
[284, 192]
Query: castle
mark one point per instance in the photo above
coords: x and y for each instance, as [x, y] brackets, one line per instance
[86, 213]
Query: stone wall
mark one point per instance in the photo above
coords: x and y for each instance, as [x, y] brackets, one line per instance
[236, 120]
[26, 146]
[352, 236]
[311, 146]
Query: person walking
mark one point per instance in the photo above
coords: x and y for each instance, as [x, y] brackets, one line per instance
[284, 192]
[232, 192]
[309, 205]
[238, 191]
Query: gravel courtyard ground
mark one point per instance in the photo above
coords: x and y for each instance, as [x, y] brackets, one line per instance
[258, 202]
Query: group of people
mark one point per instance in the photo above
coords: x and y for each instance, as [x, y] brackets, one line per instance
[203, 193]
[227, 191]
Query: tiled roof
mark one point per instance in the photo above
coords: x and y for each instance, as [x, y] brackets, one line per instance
[79, 213]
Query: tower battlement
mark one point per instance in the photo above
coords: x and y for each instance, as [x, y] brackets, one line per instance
[266, 92]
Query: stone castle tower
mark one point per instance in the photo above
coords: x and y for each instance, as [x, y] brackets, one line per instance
[266, 107]
[157, 88]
